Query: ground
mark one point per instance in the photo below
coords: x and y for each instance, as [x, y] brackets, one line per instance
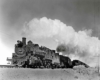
[49, 74]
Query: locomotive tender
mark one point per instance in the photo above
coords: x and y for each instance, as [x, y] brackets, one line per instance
[32, 56]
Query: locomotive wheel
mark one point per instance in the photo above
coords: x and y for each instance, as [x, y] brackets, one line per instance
[25, 65]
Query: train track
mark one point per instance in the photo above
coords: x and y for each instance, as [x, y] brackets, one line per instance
[9, 66]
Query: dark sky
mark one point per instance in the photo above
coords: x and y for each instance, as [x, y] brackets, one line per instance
[81, 14]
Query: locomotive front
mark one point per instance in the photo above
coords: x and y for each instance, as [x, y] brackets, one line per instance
[19, 57]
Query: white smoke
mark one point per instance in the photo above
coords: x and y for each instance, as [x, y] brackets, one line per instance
[4, 52]
[79, 44]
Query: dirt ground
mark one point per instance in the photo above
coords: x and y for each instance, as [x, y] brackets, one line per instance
[48, 74]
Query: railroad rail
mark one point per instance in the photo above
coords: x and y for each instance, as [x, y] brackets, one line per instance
[9, 66]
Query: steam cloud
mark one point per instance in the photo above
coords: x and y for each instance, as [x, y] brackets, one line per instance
[4, 52]
[79, 45]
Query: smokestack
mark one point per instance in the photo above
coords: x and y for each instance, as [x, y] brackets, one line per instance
[24, 41]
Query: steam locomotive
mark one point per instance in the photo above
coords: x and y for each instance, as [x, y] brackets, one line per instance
[30, 55]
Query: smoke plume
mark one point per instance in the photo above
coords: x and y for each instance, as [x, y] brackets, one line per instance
[78, 45]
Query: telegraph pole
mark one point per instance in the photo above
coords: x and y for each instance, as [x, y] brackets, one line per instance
[98, 65]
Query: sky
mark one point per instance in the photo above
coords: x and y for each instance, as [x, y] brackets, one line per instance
[34, 19]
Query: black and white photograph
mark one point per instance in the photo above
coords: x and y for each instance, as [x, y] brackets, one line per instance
[49, 39]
